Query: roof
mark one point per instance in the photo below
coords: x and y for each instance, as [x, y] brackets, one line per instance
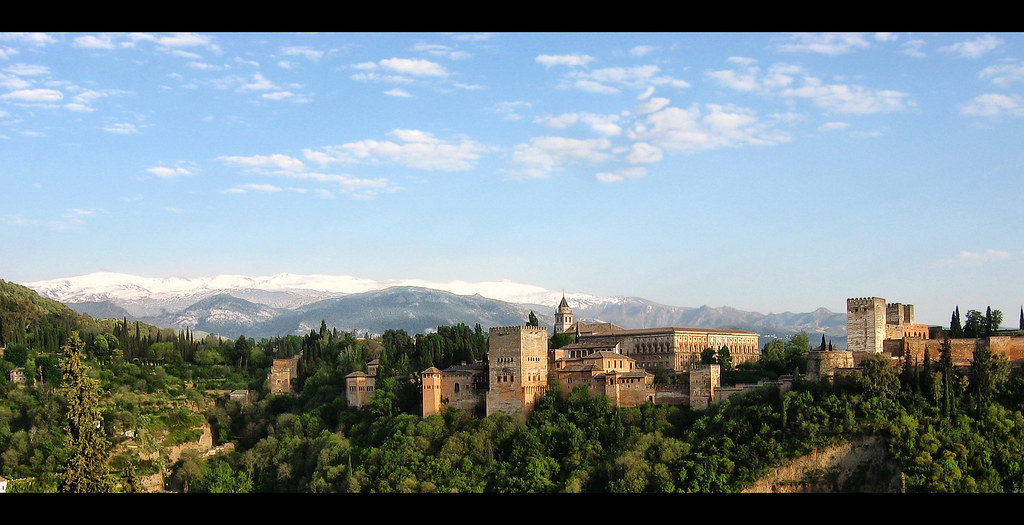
[563, 304]
[611, 329]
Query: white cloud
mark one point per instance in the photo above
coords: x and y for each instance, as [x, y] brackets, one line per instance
[833, 126]
[966, 258]
[414, 66]
[643, 153]
[676, 129]
[564, 60]
[849, 98]
[913, 48]
[621, 175]
[414, 149]
[545, 154]
[264, 162]
[994, 105]
[165, 172]
[639, 51]
[27, 70]
[104, 41]
[510, 110]
[637, 77]
[603, 124]
[260, 188]
[562, 121]
[34, 95]
[278, 95]
[123, 128]
[303, 51]
[646, 94]
[973, 48]
[397, 92]
[37, 39]
[1004, 75]
[825, 43]
[259, 83]
[441, 50]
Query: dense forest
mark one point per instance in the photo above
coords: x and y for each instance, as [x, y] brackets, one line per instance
[948, 429]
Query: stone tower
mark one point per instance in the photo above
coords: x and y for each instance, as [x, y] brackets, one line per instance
[563, 317]
[431, 379]
[865, 324]
[518, 361]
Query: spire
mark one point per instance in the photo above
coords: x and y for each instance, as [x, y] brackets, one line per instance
[563, 304]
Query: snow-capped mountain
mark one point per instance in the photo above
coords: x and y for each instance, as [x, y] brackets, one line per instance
[154, 295]
[280, 304]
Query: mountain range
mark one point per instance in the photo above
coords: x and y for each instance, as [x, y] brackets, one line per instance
[294, 304]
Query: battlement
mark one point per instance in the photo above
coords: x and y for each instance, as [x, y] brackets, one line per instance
[509, 330]
[864, 301]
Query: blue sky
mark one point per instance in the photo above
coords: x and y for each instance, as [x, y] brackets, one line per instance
[764, 171]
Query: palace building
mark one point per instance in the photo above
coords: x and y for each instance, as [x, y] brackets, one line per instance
[607, 359]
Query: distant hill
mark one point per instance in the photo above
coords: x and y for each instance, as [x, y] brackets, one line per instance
[294, 304]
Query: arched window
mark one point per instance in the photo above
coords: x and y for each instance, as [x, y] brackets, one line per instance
[456, 388]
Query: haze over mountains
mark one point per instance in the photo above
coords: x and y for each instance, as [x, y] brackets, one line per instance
[282, 304]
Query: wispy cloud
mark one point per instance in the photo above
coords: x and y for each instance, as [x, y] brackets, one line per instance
[411, 148]
[975, 48]
[967, 258]
[994, 105]
[825, 43]
[575, 60]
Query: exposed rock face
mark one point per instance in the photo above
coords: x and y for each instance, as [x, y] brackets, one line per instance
[860, 465]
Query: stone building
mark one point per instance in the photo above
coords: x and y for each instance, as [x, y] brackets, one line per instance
[460, 386]
[604, 371]
[670, 348]
[870, 322]
[282, 372]
[518, 368]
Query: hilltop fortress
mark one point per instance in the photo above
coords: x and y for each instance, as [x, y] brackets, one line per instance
[620, 363]
[609, 360]
[876, 327]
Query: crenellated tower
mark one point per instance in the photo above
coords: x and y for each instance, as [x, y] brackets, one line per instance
[517, 359]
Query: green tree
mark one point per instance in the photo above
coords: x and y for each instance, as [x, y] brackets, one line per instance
[86, 467]
[725, 357]
[796, 352]
[707, 357]
[16, 353]
[533, 320]
[974, 324]
[955, 329]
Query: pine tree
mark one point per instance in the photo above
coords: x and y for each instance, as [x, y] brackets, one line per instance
[86, 466]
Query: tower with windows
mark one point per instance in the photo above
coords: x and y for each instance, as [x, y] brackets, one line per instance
[563, 317]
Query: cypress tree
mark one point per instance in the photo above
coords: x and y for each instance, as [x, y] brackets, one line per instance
[1021, 325]
[988, 321]
[956, 330]
[86, 466]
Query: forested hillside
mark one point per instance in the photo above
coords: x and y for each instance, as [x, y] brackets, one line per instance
[949, 430]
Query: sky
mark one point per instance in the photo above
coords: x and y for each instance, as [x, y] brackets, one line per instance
[769, 172]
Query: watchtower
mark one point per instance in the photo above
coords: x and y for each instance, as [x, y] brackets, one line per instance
[865, 324]
[518, 361]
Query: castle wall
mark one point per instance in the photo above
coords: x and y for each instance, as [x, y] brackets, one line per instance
[824, 364]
